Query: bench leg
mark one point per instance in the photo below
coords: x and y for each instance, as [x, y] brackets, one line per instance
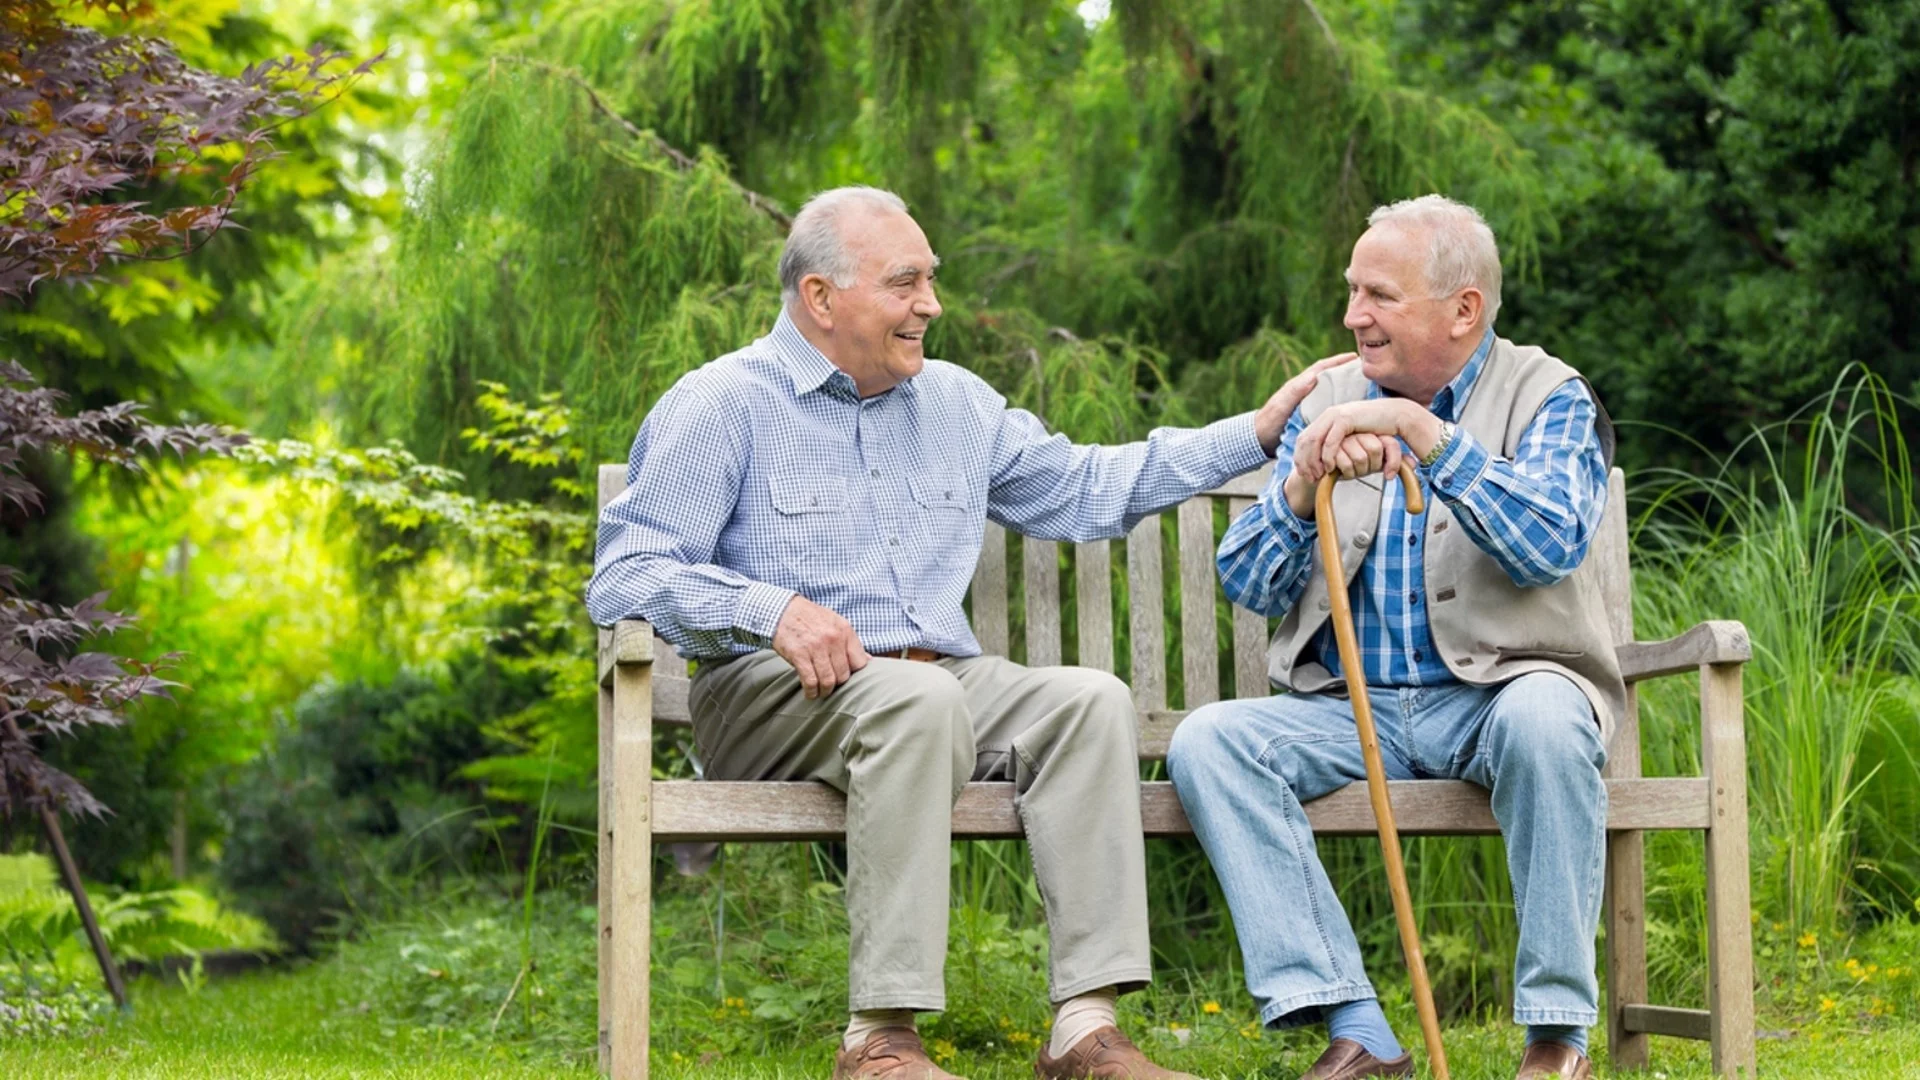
[1626, 921]
[1625, 906]
[627, 871]
[604, 878]
[1729, 904]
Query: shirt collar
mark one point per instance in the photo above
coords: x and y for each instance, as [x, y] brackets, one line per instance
[807, 366]
[1452, 398]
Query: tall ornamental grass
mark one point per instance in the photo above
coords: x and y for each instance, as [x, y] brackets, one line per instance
[1808, 536]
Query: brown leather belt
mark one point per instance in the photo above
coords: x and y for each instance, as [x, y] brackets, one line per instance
[913, 652]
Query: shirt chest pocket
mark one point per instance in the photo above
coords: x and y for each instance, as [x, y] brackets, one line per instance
[814, 526]
[945, 524]
[941, 492]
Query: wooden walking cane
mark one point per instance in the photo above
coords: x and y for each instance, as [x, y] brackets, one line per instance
[1370, 750]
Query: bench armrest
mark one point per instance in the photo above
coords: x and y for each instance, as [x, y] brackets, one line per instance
[1714, 642]
[629, 641]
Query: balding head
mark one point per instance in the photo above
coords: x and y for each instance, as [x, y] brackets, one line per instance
[817, 242]
[1460, 249]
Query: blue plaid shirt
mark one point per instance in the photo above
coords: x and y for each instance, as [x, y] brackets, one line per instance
[764, 474]
[1535, 515]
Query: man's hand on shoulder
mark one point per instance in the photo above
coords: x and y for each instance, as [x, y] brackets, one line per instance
[821, 646]
[1271, 421]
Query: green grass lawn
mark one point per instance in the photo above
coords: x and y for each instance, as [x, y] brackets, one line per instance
[311, 1023]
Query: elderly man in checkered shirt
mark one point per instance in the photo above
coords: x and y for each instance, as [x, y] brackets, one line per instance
[803, 517]
[1487, 655]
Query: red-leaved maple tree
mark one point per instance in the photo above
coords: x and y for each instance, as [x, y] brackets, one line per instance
[89, 121]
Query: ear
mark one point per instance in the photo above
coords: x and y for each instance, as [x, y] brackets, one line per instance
[1467, 309]
[816, 299]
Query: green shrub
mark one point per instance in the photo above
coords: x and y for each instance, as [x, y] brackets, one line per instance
[363, 795]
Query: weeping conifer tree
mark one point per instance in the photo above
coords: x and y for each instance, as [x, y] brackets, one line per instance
[1142, 221]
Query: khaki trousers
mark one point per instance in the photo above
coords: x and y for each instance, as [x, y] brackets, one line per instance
[901, 738]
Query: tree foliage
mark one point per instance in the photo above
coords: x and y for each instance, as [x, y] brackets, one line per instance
[82, 116]
[47, 689]
[1735, 189]
[1148, 201]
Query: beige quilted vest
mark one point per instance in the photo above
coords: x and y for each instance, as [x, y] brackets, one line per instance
[1488, 629]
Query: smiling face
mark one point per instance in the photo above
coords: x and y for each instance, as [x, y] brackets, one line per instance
[874, 329]
[1410, 342]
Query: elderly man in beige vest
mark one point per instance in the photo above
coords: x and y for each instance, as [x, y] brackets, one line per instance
[1486, 651]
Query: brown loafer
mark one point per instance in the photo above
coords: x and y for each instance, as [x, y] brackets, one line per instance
[891, 1053]
[1106, 1053]
[1554, 1061]
[1348, 1060]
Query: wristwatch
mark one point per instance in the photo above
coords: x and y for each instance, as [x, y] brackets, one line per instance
[1440, 447]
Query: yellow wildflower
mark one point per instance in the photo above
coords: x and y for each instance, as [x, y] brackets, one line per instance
[1809, 939]
[1826, 1003]
[1210, 1007]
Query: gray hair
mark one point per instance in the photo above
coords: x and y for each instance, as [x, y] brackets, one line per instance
[817, 245]
[1460, 248]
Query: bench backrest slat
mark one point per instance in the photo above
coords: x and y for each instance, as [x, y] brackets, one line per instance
[1610, 558]
[1093, 582]
[1249, 635]
[1041, 567]
[1200, 638]
[1146, 617]
[990, 591]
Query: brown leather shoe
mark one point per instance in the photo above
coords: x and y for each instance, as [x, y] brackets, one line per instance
[1106, 1053]
[1348, 1060]
[892, 1053]
[1554, 1061]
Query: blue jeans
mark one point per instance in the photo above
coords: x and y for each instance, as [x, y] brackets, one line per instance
[1242, 769]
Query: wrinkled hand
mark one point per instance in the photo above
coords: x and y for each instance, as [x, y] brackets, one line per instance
[1271, 421]
[821, 646]
[1356, 455]
[1325, 445]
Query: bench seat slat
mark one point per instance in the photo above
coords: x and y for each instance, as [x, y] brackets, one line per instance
[765, 810]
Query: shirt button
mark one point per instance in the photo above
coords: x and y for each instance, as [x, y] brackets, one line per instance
[949, 494]
[875, 474]
[910, 609]
[895, 541]
[1445, 481]
[1412, 539]
[1413, 598]
[1418, 656]
[816, 500]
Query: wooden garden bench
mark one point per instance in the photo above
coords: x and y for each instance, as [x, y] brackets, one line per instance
[643, 683]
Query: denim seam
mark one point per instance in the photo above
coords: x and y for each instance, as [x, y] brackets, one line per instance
[1570, 1017]
[1303, 852]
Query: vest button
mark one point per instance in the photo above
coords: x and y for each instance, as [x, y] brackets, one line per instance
[1326, 604]
[1362, 539]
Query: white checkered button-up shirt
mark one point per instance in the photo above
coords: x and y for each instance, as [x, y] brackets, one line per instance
[764, 474]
